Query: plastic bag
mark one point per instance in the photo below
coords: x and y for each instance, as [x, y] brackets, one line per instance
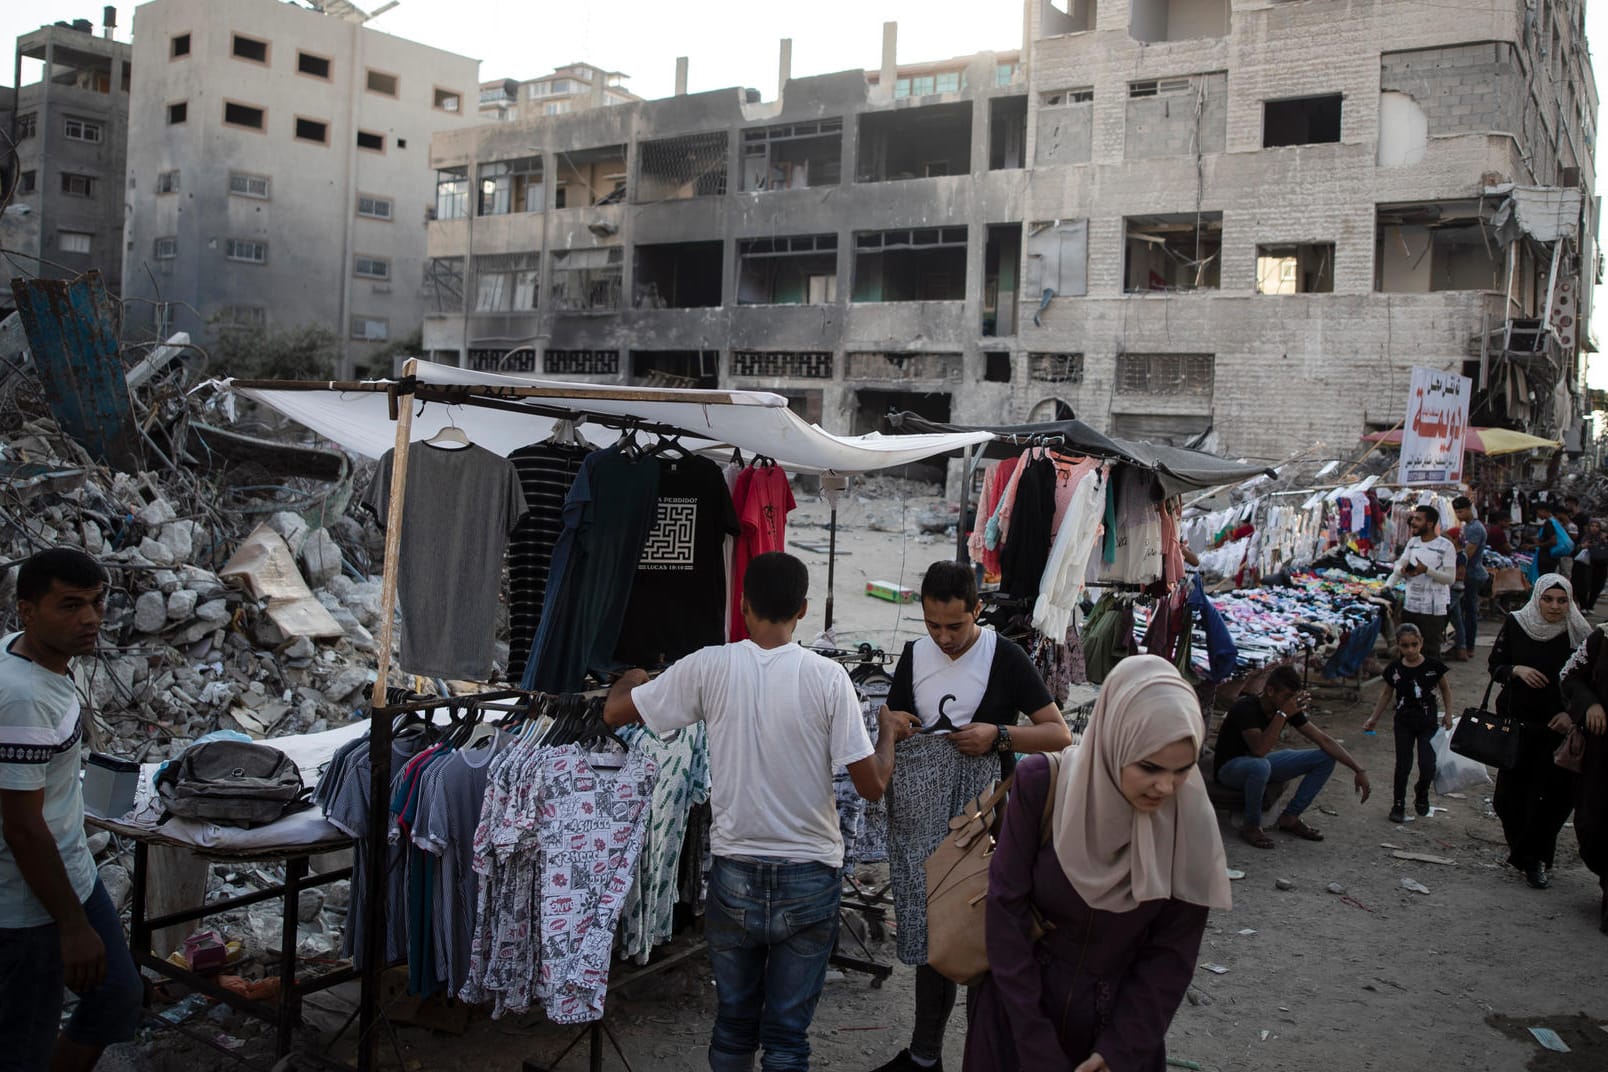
[1455, 773]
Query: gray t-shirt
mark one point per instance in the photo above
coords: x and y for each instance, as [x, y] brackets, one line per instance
[40, 734]
[348, 811]
[461, 505]
[449, 810]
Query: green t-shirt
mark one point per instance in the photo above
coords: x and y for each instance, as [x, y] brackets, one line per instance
[40, 732]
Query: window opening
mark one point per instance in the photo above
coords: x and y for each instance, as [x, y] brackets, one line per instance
[370, 329]
[1055, 368]
[512, 186]
[928, 264]
[1174, 252]
[1007, 132]
[1303, 121]
[242, 115]
[1067, 16]
[246, 250]
[793, 156]
[442, 287]
[367, 139]
[915, 143]
[506, 282]
[1002, 258]
[179, 46]
[792, 270]
[381, 83]
[374, 208]
[166, 248]
[312, 130]
[73, 241]
[177, 113]
[587, 280]
[677, 275]
[83, 129]
[1436, 246]
[249, 48]
[673, 169]
[452, 193]
[317, 66]
[367, 267]
[996, 367]
[676, 368]
[591, 177]
[77, 185]
[1301, 268]
[447, 100]
[1172, 375]
[242, 185]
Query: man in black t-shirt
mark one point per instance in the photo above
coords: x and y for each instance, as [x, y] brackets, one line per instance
[1245, 758]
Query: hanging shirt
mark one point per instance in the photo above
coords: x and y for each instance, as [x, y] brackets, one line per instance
[765, 500]
[780, 719]
[648, 916]
[41, 730]
[607, 518]
[461, 505]
[1429, 592]
[546, 472]
[678, 599]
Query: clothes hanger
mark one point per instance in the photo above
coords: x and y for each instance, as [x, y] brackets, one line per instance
[450, 434]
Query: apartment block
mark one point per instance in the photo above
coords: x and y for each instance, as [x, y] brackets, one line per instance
[1167, 217]
[64, 178]
[278, 171]
[575, 87]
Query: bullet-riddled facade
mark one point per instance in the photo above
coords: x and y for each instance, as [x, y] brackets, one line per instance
[1165, 217]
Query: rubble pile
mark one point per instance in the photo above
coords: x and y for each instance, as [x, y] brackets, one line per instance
[186, 651]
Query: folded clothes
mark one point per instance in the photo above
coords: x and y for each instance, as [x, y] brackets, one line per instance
[1315, 612]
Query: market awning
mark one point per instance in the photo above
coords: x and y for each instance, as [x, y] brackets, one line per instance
[1480, 441]
[1181, 469]
[757, 422]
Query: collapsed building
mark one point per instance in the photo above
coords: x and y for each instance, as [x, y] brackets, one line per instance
[1168, 217]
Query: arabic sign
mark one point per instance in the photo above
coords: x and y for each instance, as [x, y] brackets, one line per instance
[1432, 432]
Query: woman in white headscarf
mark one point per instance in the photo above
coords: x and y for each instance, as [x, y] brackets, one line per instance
[1534, 799]
[1131, 865]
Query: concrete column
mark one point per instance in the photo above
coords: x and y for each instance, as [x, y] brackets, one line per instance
[890, 58]
[681, 76]
[599, 88]
[784, 67]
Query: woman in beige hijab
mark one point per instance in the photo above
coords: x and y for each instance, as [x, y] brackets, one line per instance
[1131, 864]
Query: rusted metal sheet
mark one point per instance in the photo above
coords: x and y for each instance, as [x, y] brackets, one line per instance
[72, 331]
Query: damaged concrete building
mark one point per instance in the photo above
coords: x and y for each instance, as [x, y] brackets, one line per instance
[1168, 217]
[277, 170]
[61, 180]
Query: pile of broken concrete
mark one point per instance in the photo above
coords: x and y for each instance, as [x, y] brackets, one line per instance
[194, 639]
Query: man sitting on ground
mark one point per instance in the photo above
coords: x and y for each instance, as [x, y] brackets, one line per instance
[1246, 759]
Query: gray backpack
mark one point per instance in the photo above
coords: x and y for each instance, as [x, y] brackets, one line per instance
[234, 783]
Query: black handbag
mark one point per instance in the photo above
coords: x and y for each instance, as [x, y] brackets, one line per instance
[1489, 738]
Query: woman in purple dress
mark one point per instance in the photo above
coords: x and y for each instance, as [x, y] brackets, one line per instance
[1133, 863]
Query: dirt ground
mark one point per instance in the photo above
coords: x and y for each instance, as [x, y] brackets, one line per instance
[1376, 978]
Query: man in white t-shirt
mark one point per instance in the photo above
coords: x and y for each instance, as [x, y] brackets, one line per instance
[780, 719]
[1429, 566]
[59, 930]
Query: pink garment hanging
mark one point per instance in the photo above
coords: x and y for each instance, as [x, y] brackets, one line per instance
[994, 482]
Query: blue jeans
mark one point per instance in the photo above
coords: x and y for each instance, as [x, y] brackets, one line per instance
[1252, 773]
[1466, 613]
[771, 928]
[32, 991]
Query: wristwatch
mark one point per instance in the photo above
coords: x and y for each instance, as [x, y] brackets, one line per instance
[1003, 742]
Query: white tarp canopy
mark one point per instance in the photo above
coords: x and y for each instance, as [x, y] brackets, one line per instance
[757, 422]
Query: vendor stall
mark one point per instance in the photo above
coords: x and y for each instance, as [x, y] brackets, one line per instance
[635, 501]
